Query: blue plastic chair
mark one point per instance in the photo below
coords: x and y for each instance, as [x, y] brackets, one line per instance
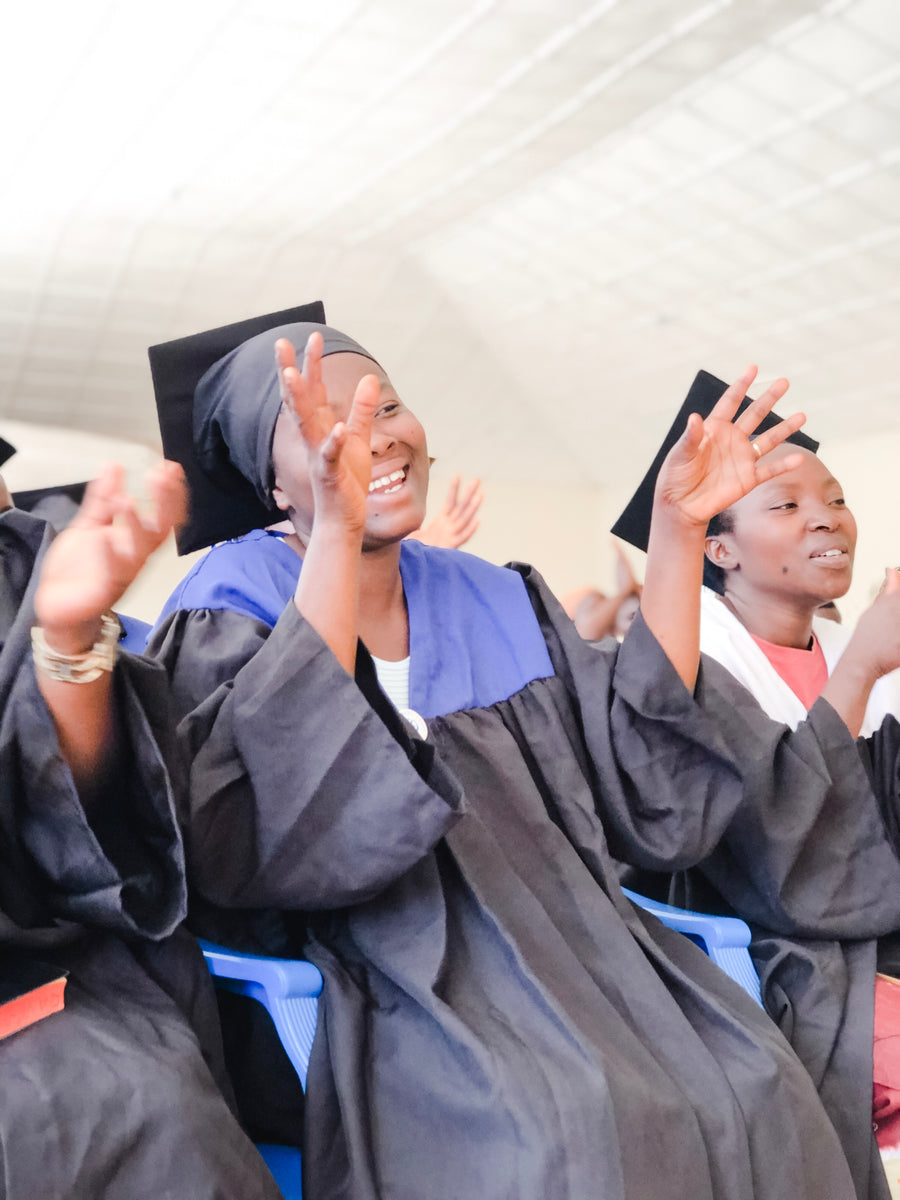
[289, 990]
[725, 939]
[135, 633]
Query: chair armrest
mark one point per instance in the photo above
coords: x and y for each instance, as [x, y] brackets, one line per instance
[725, 939]
[288, 989]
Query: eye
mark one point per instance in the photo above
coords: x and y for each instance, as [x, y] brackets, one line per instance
[839, 500]
[785, 506]
[388, 409]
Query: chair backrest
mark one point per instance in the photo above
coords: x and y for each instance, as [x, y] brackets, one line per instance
[288, 989]
[136, 634]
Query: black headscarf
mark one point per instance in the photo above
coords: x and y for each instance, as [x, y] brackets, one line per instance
[237, 403]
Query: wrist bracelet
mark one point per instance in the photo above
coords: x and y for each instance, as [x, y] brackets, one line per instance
[77, 668]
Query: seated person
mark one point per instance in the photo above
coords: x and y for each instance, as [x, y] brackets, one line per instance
[773, 559]
[116, 1095]
[596, 615]
[498, 1019]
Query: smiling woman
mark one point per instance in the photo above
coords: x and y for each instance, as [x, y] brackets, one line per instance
[498, 1019]
[784, 550]
[772, 558]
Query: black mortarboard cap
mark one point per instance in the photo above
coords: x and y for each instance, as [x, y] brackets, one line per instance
[57, 505]
[633, 526]
[217, 512]
[6, 451]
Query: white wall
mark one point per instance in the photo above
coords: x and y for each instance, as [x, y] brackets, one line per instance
[556, 529]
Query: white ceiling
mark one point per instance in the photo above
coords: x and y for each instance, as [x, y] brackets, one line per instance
[542, 215]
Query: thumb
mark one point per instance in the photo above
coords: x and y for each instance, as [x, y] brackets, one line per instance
[362, 410]
[891, 580]
[693, 433]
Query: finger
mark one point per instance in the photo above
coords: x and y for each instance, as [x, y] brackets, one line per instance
[99, 504]
[285, 355]
[365, 400]
[690, 440]
[452, 497]
[313, 420]
[292, 385]
[467, 510]
[125, 551]
[781, 432]
[312, 362]
[466, 532]
[133, 540]
[769, 468]
[758, 409]
[469, 494]
[168, 494]
[332, 446]
[729, 402]
[891, 580]
[285, 361]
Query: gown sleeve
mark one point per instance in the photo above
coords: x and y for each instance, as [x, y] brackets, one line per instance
[306, 791]
[808, 853]
[116, 864]
[785, 824]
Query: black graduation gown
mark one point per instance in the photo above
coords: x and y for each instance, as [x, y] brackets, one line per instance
[821, 891]
[115, 1096]
[498, 1020]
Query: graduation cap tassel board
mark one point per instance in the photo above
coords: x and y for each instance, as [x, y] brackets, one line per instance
[57, 505]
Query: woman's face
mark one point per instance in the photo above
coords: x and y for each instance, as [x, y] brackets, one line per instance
[396, 504]
[793, 538]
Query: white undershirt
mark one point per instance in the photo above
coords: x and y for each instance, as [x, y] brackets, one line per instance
[394, 680]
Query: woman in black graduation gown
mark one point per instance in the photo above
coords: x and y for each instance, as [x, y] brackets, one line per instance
[823, 921]
[498, 1019]
[113, 1097]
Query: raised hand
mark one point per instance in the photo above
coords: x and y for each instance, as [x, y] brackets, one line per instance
[875, 644]
[714, 463]
[873, 651]
[338, 453]
[457, 520]
[99, 554]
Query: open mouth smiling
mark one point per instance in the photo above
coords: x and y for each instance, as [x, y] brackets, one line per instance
[386, 485]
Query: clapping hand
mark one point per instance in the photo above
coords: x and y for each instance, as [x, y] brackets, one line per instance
[714, 463]
[338, 453]
[457, 520]
[99, 554]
